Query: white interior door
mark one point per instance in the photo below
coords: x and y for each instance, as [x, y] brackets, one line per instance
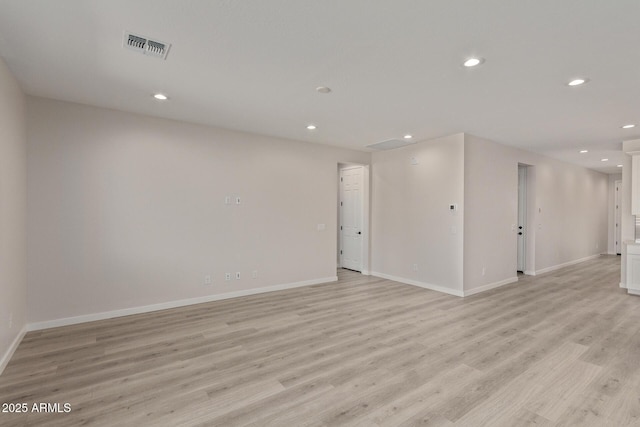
[351, 218]
[618, 212]
[522, 216]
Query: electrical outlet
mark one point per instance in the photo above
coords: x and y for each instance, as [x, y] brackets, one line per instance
[237, 200]
[227, 276]
[254, 274]
[237, 275]
[207, 279]
[415, 267]
[227, 200]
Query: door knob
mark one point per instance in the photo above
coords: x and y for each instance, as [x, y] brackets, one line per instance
[520, 227]
[519, 233]
[359, 232]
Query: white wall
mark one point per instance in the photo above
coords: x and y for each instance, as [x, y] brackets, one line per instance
[567, 214]
[491, 208]
[611, 213]
[128, 211]
[411, 222]
[13, 206]
[628, 220]
[572, 219]
[569, 218]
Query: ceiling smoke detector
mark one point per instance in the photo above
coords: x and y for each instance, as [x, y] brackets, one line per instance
[145, 45]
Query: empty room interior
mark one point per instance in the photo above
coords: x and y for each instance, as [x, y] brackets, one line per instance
[287, 213]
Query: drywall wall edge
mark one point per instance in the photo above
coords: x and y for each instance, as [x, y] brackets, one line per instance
[12, 348]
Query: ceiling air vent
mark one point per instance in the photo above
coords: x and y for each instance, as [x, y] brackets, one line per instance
[390, 144]
[146, 46]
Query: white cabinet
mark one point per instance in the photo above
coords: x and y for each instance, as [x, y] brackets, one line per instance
[633, 268]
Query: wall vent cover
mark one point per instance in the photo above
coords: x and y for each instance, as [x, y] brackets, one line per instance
[390, 144]
[145, 45]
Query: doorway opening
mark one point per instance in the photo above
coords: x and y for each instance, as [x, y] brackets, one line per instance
[353, 218]
[618, 217]
[522, 218]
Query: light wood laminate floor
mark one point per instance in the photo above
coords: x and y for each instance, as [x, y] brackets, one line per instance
[557, 349]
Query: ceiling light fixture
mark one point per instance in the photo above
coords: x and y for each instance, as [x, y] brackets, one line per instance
[604, 160]
[472, 62]
[628, 126]
[584, 151]
[619, 166]
[577, 82]
[323, 89]
[407, 136]
[160, 97]
[311, 127]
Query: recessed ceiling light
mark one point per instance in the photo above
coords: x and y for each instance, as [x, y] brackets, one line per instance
[472, 62]
[577, 82]
[619, 166]
[604, 160]
[628, 126]
[311, 127]
[407, 136]
[584, 151]
[323, 89]
[160, 96]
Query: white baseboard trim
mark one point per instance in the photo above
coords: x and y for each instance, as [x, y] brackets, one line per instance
[490, 286]
[633, 291]
[530, 272]
[12, 348]
[35, 326]
[566, 264]
[418, 284]
[623, 286]
[366, 272]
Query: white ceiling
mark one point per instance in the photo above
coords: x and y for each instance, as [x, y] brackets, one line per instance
[394, 67]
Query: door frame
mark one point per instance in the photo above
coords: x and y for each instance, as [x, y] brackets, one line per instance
[531, 219]
[521, 223]
[617, 217]
[366, 224]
